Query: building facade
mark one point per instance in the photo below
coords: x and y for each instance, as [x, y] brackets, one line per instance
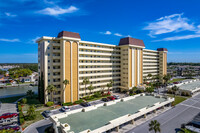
[68, 57]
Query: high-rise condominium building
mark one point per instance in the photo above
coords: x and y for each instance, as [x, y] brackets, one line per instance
[67, 57]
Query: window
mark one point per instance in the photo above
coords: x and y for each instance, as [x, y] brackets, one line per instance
[48, 67]
[48, 54]
[48, 60]
[48, 47]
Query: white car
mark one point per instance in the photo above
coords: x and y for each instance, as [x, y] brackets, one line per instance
[65, 108]
[116, 96]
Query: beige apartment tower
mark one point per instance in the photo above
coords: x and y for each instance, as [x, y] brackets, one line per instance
[68, 57]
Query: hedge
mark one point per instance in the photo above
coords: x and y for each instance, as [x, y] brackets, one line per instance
[49, 104]
[67, 104]
[79, 101]
[21, 115]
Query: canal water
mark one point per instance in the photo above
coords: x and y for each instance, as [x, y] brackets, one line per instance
[16, 91]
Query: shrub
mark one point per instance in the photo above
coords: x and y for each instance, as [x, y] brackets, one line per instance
[49, 130]
[97, 94]
[24, 101]
[8, 83]
[67, 104]
[49, 104]
[21, 115]
[79, 101]
[182, 93]
[170, 91]
[86, 97]
[187, 94]
[21, 121]
[138, 91]
[30, 117]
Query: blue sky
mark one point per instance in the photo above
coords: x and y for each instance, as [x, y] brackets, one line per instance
[173, 24]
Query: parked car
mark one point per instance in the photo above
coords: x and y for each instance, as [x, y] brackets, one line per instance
[105, 99]
[65, 108]
[8, 115]
[16, 128]
[4, 122]
[111, 97]
[116, 96]
[85, 104]
[47, 113]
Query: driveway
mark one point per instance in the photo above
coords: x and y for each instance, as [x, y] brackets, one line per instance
[38, 127]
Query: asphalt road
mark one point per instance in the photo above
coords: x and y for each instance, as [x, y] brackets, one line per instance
[173, 118]
[38, 127]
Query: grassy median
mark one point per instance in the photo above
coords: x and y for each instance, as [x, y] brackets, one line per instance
[178, 99]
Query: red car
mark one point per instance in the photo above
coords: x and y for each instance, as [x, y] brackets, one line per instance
[8, 115]
[16, 128]
[111, 98]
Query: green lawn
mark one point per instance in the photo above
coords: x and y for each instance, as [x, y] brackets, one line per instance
[38, 117]
[176, 80]
[10, 99]
[178, 99]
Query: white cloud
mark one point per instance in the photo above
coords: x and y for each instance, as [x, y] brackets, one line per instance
[34, 40]
[107, 33]
[10, 15]
[117, 34]
[55, 11]
[179, 38]
[9, 40]
[168, 24]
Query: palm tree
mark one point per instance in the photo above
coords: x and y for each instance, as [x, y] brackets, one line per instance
[166, 78]
[90, 88]
[149, 76]
[66, 82]
[51, 89]
[30, 93]
[155, 126]
[175, 89]
[31, 111]
[85, 82]
[110, 84]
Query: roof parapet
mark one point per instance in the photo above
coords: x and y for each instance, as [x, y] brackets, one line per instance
[131, 41]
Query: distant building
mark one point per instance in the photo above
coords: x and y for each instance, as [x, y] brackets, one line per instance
[184, 70]
[34, 77]
[25, 79]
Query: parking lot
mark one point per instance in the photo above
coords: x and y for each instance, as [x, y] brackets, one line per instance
[57, 111]
[8, 122]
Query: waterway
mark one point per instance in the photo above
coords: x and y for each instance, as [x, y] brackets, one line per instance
[16, 91]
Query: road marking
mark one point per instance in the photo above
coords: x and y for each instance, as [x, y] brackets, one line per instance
[176, 115]
[189, 106]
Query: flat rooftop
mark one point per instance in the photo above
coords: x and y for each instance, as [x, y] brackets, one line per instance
[190, 86]
[102, 115]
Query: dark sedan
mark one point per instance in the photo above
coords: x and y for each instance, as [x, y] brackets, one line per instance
[85, 104]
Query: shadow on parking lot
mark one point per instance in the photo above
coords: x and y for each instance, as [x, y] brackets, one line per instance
[42, 128]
